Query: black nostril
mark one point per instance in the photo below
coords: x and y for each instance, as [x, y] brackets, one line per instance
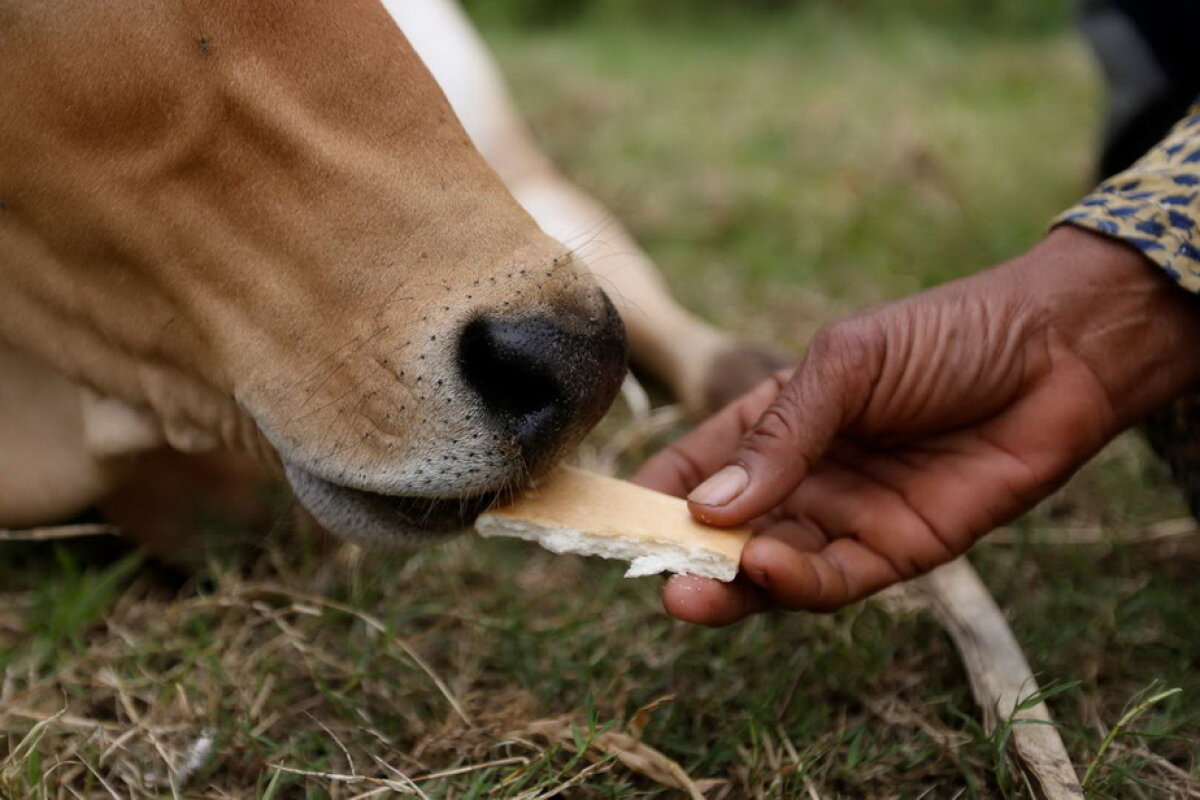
[545, 380]
[501, 362]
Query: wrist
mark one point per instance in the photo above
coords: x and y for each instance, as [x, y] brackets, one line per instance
[1120, 314]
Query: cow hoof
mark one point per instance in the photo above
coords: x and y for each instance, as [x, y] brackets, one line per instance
[1174, 433]
[733, 373]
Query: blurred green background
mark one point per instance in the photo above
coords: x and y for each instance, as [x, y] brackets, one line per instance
[787, 162]
[1005, 15]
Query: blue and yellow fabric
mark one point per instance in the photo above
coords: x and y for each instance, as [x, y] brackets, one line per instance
[1155, 205]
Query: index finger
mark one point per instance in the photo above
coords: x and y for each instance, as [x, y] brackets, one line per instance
[686, 463]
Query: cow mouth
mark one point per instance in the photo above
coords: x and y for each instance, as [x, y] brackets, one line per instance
[437, 514]
[386, 519]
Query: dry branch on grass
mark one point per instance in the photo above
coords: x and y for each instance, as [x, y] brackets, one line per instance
[1001, 679]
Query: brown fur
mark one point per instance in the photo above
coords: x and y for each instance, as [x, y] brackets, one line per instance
[249, 224]
[167, 497]
[260, 219]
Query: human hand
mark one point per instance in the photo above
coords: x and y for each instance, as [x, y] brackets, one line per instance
[908, 432]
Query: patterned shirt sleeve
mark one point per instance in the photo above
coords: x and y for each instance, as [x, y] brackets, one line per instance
[1155, 204]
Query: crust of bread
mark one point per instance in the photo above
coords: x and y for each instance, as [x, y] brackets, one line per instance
[574, 511]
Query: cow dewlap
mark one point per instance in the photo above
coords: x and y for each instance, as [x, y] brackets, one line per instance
[574, 511]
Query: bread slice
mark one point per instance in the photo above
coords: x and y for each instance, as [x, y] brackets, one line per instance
[574, 511]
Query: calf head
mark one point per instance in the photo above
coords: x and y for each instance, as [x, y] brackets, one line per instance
[261, 225]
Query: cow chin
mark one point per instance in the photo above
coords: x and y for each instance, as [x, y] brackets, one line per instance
[377, 519]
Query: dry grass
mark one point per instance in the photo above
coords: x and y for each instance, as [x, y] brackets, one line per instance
[488, 669]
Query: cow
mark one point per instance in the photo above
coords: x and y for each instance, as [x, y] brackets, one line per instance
[261, 229]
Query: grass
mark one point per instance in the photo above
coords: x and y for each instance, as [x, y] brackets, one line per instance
[782, 173]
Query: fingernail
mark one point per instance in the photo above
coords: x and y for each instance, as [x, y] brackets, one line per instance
[722, 488]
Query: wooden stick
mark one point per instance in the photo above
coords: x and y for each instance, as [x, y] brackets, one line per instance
[61, 532]
[1001, 679]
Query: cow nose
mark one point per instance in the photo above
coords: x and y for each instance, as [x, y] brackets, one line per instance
[545, 379]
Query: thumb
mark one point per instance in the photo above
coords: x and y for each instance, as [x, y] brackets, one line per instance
[828, 392]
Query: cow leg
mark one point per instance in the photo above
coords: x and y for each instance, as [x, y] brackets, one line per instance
[64, 451]
[48, 473]
[181, 507]
[700, 365]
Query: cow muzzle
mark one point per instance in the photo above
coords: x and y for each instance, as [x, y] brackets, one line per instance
[523, 389]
